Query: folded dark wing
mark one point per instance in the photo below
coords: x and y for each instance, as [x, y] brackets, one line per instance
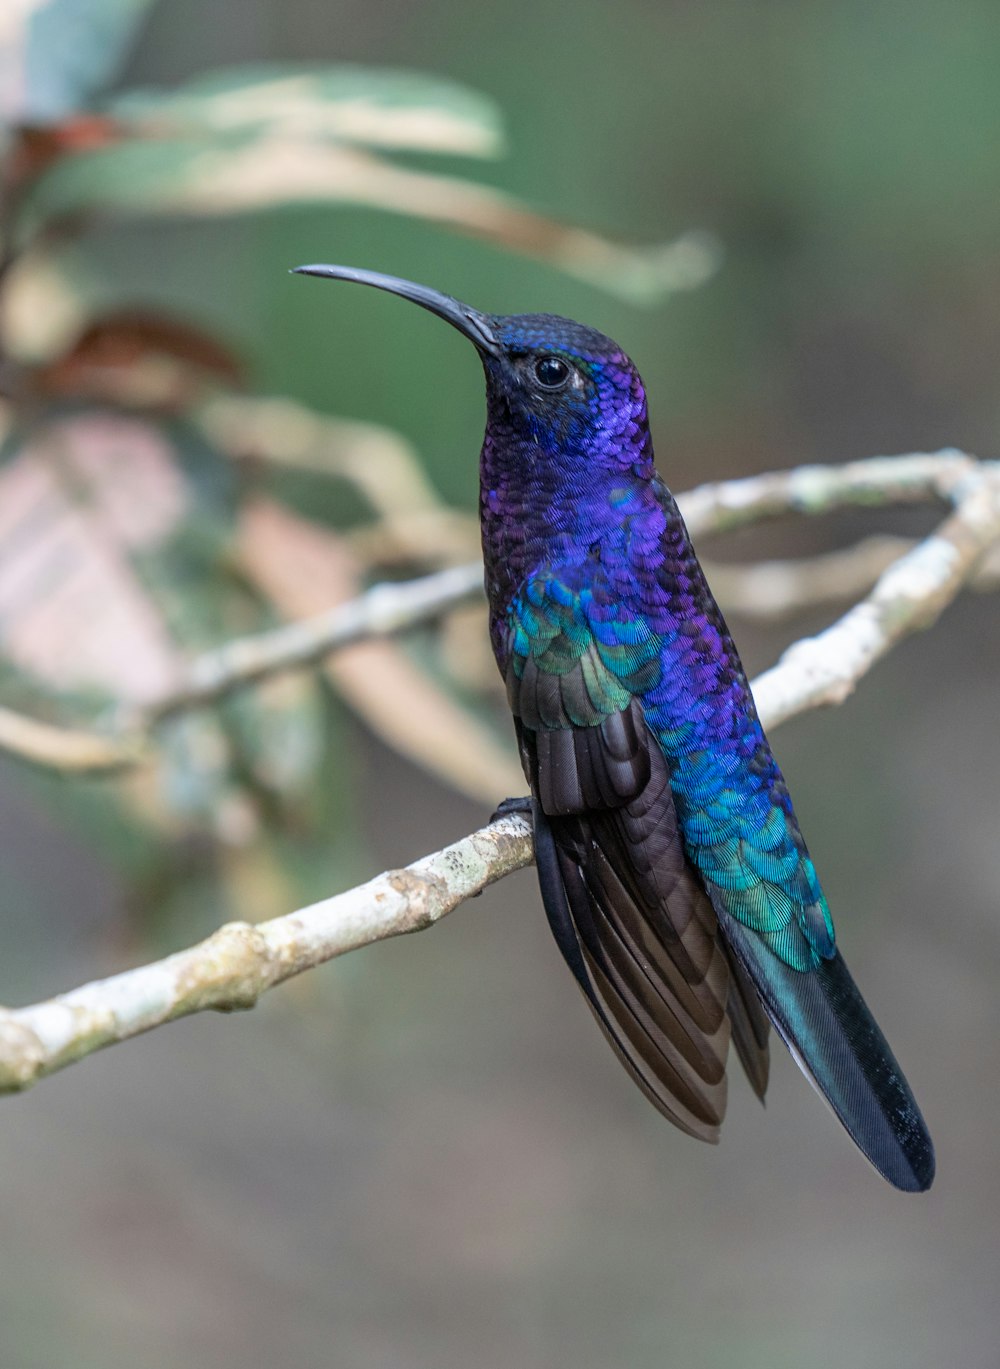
[630, 914]
[751, 1026]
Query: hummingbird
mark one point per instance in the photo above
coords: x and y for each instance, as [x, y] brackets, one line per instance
[672, 868]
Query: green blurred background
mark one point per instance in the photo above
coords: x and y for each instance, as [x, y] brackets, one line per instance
[425, 1156]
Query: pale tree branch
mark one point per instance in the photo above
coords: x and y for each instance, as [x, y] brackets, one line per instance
[877, 480]
[235, 965]
[948, 475]
[240, 961]
[910, 595]
[769, 590]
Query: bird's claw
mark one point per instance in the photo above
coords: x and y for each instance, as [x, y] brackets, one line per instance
[520, 804]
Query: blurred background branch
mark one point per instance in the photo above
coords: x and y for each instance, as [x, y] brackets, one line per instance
[951, 557]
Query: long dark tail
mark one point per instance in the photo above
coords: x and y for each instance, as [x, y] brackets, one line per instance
[839, 1046]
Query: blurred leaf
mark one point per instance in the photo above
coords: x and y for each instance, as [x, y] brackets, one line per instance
[428, 537]
[110, 548]
[279, 729]
[33, 148]
[76, 501]
[195, 781]
[55, 53]
[112, 538]
[43, 306]
[377, 460]
[392, 109]
[414, 525]
[304, 568]
[187, 176]
[133, 358]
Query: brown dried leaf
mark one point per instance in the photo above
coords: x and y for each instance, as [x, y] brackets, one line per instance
[34, 149]
[138, 359]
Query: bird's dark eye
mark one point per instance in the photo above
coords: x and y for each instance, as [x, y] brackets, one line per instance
[551, 372]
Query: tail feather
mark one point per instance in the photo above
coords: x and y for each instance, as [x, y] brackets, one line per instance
[839, 1046]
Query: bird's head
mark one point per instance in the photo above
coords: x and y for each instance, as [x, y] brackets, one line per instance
[551, 384]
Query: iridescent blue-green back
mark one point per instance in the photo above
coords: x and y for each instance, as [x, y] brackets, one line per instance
[673, 868]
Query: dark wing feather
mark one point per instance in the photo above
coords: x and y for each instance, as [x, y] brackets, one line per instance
[628, 911]
[751, 1026]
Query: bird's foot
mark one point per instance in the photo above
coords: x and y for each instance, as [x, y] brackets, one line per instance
[520, 804]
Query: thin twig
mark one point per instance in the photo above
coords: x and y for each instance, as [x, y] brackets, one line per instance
[65, 749]
[237, 963]
[379, 612]
[878, 480]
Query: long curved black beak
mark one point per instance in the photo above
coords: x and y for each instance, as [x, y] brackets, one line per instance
[475, 326]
